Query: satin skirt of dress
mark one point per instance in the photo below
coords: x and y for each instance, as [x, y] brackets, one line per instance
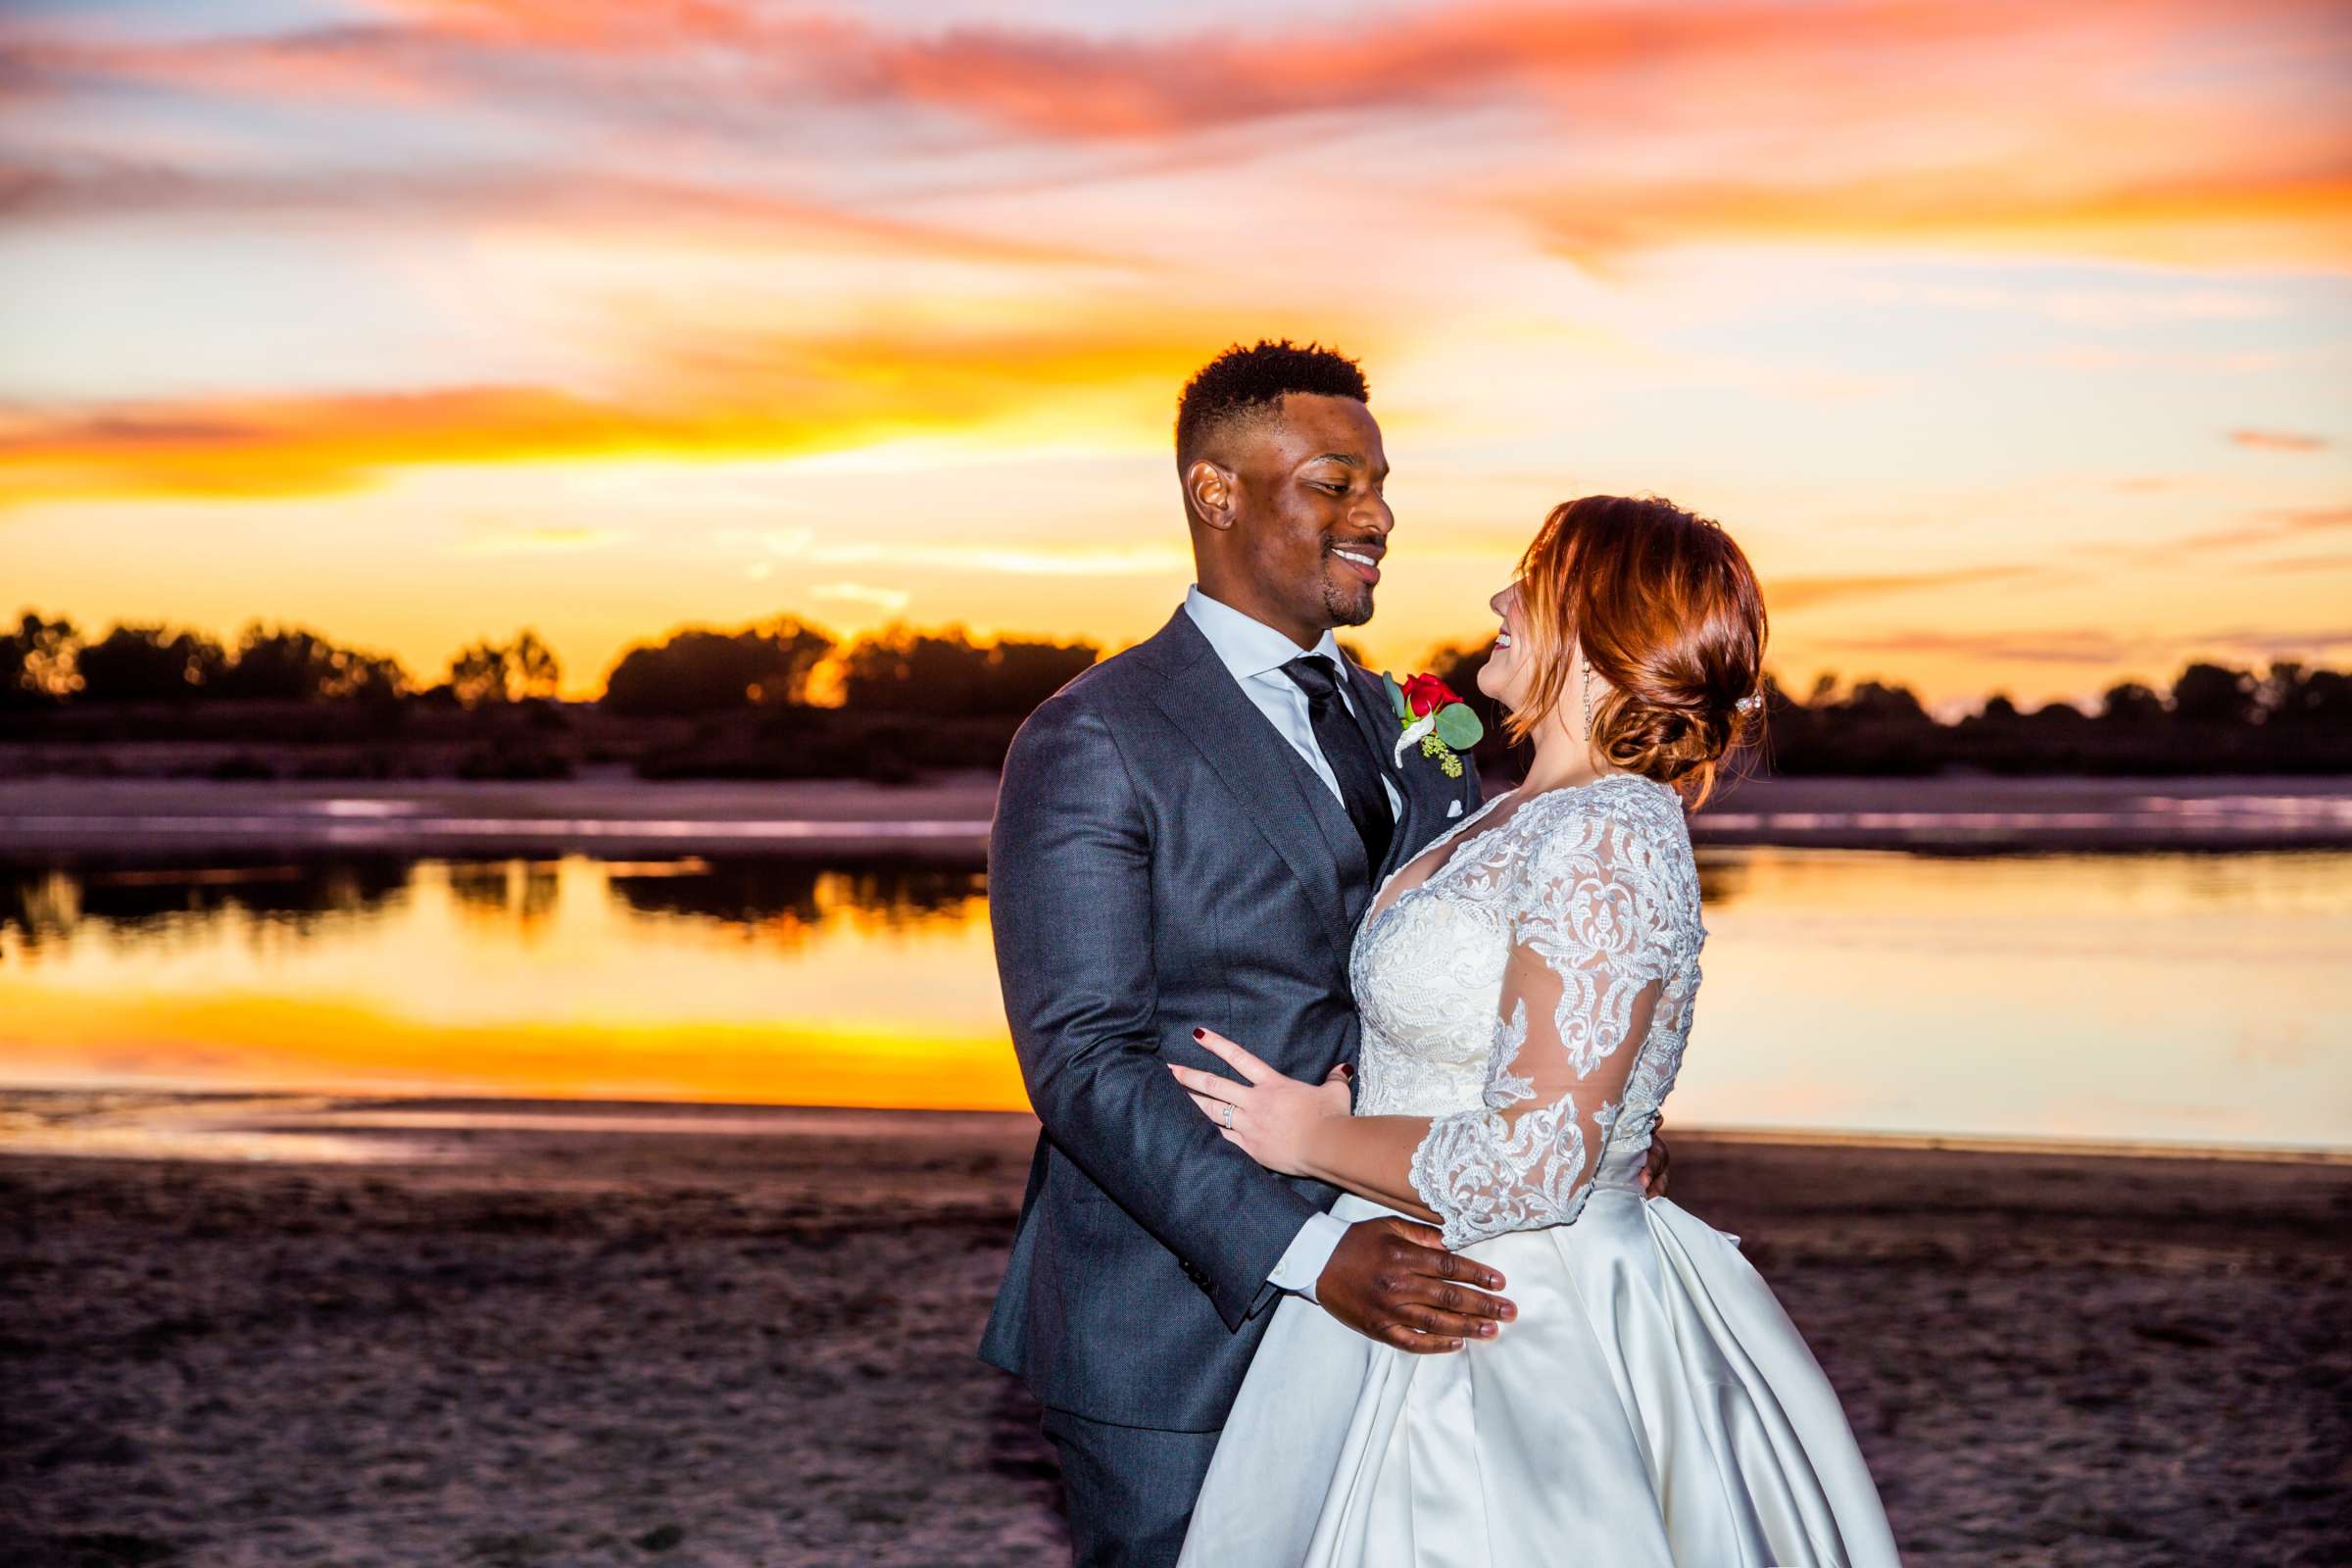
[1652, 1405]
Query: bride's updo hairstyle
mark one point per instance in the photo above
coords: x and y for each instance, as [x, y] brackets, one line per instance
[1668, 613]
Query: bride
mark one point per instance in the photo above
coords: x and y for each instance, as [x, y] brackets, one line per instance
[1525, 988]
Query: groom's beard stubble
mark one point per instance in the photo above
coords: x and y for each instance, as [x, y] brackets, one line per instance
[1346, 604]
[1344, 614]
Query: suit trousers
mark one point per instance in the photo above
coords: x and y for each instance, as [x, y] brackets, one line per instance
[1129, 1489]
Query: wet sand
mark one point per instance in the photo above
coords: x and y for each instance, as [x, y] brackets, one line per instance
[532, 1332]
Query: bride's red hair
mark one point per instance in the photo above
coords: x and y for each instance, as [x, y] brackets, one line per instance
[1668, 612]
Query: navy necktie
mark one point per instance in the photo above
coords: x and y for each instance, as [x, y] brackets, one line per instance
[1351, 763]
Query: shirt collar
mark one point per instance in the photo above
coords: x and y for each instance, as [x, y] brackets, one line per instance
[1247, 646]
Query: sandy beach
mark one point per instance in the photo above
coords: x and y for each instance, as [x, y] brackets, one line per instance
[318, 1330]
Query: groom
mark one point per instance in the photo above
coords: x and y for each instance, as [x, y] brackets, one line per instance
[1185, 836]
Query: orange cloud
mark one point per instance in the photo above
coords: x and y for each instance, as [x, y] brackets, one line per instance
[375, 63]
[1062, 85]
[597, 198]
[2095, 646]
[256, 447]
[2231, 216]
[2278, 441]
[1803, 593]
[727, 395]
[1087, 84]
[2278, 523]
[2304, 566]
[2069, 645]
[2099, 126]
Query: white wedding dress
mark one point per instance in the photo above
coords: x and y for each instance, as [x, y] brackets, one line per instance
[1651, 1405]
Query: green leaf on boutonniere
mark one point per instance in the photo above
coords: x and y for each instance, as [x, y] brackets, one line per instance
[1458, 727]
[1388, 683]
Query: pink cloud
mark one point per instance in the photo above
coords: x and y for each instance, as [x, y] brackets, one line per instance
[2096, 125]
[2277, 440]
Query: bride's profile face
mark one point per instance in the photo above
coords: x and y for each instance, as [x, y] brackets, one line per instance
[1510, 666]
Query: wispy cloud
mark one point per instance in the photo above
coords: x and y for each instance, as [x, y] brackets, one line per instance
[2242, 216]
[601, 199]
[2278, 523]
[2093, 647]
[806, 546]
[2075, 645]
[1806, 592]
[502, 539]
[259, 447]
[702, 395]
[890, 601]
[2324, 564]
[2262, 643]
[2278, 440]
[2099, 126]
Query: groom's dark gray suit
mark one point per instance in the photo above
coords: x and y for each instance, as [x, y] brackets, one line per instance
[1162, 860]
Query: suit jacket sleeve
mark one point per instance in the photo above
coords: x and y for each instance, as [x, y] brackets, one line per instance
[1071, 904]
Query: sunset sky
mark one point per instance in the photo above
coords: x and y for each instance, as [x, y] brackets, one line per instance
[2013, 340]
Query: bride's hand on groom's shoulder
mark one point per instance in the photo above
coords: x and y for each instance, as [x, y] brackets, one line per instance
[1270, 1117]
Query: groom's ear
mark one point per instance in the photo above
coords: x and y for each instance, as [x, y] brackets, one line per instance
[1209, 493]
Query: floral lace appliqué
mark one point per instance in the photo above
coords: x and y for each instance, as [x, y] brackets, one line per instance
[1596, 885]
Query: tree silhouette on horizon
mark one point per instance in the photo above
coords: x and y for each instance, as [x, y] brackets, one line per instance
[2291, 718]
[504, 672]
[698, 670]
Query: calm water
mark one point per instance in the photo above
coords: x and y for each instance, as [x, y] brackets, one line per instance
[2158, 998]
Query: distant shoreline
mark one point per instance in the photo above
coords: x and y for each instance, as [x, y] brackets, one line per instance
[110, 1121]
[947, 817]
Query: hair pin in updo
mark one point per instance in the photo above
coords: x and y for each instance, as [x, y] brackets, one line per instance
[1752, 703]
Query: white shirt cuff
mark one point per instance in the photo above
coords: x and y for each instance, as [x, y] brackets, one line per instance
[1304, 1260]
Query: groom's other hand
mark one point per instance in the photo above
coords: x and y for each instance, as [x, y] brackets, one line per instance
[1391, 1280]
[1654, 1167]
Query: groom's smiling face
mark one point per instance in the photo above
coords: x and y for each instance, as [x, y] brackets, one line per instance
[1304, 525]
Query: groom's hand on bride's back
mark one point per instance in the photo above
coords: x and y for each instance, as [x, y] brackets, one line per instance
[1655, 1163]
[1390, 1280]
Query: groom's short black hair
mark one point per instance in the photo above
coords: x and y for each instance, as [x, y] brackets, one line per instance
[1243, 382]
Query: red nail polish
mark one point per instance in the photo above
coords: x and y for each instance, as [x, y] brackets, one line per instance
[1347, 1070]
[1199, 1033]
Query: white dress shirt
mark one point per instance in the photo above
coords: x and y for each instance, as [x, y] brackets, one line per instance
[1255, 654]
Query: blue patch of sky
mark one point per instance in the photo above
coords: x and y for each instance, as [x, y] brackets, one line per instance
[171, 308]
[180, 21]
[148, 124]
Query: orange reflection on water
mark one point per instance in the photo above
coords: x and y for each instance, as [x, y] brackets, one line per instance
[2145, 998]
[761, 982]
[2188, 999]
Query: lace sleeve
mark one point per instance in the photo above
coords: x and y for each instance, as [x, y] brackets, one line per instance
[1590, 959]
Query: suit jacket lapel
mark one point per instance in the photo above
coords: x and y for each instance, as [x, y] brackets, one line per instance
[1351, 872]
[1376, 716]
[1262, 769]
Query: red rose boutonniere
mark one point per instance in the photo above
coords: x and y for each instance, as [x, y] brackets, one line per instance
[1431, 714]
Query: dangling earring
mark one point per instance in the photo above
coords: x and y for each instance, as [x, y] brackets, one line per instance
[1585, 697]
